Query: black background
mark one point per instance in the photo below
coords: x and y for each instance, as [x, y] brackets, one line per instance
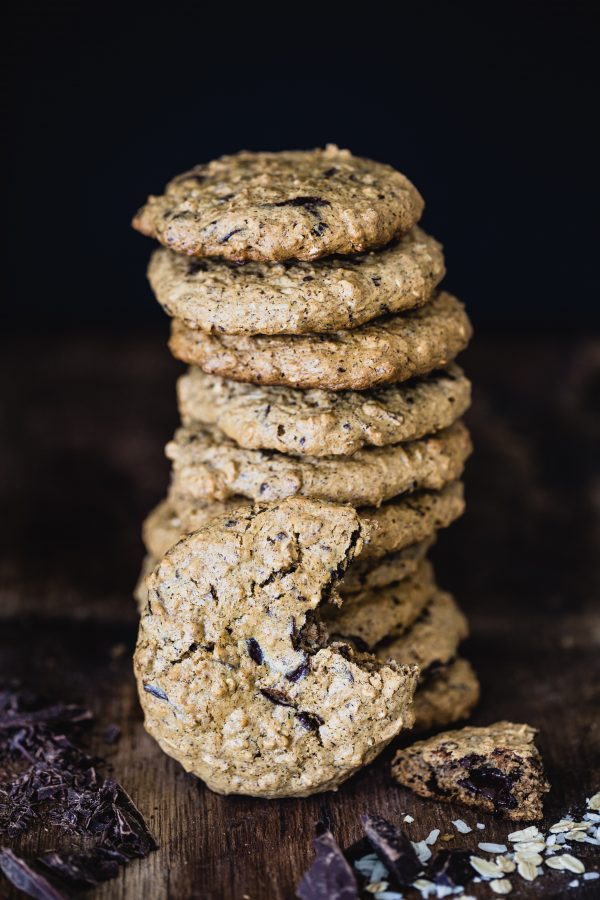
[489, 109]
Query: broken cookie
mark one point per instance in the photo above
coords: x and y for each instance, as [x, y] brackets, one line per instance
[498, 769]
[236, 674]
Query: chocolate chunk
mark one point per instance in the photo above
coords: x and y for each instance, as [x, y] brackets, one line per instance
[230, 234]
[79, 870]
[310, 721]
[492, 783]
[277, 697]
[451, 868]
[111, 734]
[155, 691]
[254, 651]
[309, 203]
[22, 876]
[302, 670]
[393, 849]
[330, 876]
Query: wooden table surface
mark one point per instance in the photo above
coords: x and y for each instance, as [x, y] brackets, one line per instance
[83, 426]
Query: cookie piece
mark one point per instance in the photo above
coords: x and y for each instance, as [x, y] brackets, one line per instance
[370, 574]
[297, 297]
[392, 527]
[236, 677]
[447, 695]
[323, 423]
[393, 348]
[272, 206]
[498, 769]
[432, 640]
[209, 466]
[368, 617]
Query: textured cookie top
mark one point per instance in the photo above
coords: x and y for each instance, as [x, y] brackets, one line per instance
[296, 297]
[323, 423]
[393, 348]
[273, 206]
[497, 768]
[392, 527]
[209, 466]
[238, 679]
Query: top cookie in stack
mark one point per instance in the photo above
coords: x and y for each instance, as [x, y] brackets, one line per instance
[305, 298]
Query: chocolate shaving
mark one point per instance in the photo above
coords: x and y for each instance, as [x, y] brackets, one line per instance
[393, 849]
[47, 780]
[451, 868]
[330, 876]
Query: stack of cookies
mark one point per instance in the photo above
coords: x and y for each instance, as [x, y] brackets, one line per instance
[321, 352]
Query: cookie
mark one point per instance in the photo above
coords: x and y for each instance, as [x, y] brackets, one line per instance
[391, 349]
[370, 574]
[296, 297]
[447, 695]
[323, 423]
[209, 466]
[236, 677]
[274, 206]
[392, 527]
[369, 617]
[432, 640]
[497, 769]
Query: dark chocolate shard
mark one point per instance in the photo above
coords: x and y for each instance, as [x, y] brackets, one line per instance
[330, 876]
[25, 878]
[393, 849]
[79, 870]
[309, 203]
[112, 734]
[493, 784]
[155, 691]
[310, 721]
[451, 868]
[254, 651]
[277, 697]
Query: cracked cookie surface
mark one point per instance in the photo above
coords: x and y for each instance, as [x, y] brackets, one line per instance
[498, 769]
[273, 206]
[209, 466]
[296, 297]
[236, 677]
[383, 351]
[323, 423]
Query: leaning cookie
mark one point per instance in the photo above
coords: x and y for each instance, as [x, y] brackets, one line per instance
[209, 466]
[323, 423]
[236, 678]
[391, 349]
[274, 206]
[297, 297]
[446, 695]
[393, 527]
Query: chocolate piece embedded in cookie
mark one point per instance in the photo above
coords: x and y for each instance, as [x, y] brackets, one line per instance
[209, 466]
[387, 350]
[498, 769]
[274, 206]
[297, 297]
[236, 676]
[323, 423]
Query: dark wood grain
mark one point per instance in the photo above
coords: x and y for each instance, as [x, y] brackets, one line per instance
[84, 422]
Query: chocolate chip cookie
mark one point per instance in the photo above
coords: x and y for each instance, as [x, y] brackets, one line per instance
[393, 348]
[209, 466]
[274, 206]
[236, 677]
[323, 423]
[296, 297]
